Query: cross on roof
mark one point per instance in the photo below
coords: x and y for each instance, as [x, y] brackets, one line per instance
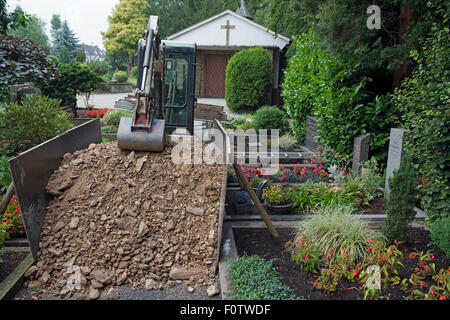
[228, 27]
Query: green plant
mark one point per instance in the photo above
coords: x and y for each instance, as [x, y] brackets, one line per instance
[35, 121]
[364, 185]
[308, 71]
[109, 129]
[287, 142]
[305, 253]
[248, 79]
[74, 79]
[426, 267]
[5, 175]
[112, 118]
[120, 76]
[254, 278]
[3, 237]
[134, 72]
[332, 227]
[98, 67]
[400, 206]
[440, 234]
[310, 196]
[271, 118]
[424, 100]
[388, 262]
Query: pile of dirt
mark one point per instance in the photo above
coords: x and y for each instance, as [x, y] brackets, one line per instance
[120, 217]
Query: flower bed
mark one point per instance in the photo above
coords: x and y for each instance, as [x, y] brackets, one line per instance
[12, 219]
[304, 283]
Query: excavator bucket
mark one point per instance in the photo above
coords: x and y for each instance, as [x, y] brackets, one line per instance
[141, 140]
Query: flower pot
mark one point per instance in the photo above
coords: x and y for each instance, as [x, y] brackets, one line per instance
[279, 209]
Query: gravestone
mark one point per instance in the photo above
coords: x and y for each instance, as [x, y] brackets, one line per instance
[311, 140]
[19, 91]
[360, 150]
[395, 155]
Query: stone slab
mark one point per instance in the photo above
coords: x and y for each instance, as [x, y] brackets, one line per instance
[395, 155]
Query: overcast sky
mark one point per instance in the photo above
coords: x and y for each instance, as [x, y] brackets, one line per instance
[87, 18]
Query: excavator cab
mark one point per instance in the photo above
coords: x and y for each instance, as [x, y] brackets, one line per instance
[165, 98]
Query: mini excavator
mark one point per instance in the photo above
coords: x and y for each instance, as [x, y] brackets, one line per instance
[164, 98]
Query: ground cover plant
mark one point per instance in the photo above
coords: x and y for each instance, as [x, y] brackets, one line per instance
[254, 278]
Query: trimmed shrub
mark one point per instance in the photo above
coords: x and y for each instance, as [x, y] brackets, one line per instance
[440, 234]
[98, 67]
[134, 72]
[271, 118]
[248, 79]
[112, 118]
[74, 78]
[35, 121]
[120, 76]
[400, 206]
[254, 278]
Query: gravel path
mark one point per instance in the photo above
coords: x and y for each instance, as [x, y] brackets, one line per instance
[178, 292]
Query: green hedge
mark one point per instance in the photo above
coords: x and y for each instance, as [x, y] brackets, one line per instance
[248, 80]
[318, 82]
[424, 102]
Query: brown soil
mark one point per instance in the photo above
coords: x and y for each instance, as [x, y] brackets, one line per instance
[258, 241]
[10, 261]
[128, 218]
[376, 206]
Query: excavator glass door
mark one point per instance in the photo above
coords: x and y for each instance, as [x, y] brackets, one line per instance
[179, 82]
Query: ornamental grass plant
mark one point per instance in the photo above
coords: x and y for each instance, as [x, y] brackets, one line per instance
[331, 228]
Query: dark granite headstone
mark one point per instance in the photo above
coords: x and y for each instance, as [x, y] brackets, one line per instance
[311, 140]
[395, 155]
[360, 150]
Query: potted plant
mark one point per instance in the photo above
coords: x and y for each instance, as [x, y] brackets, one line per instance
[240, 202]
[278, 198]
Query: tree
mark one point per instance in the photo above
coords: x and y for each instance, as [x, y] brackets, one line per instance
[64, 55]
[74, 78]
[55, 25]
[127, 26]
[81, 56]
[23, 61]
[10, 21]
[34, 31]
[63, 36]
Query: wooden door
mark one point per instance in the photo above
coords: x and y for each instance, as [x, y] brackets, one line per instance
[215, 68]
